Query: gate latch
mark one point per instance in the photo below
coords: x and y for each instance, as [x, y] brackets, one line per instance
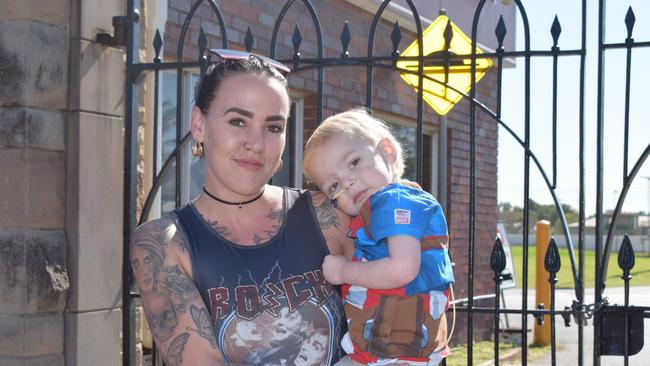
[581, 312]
[120, 29]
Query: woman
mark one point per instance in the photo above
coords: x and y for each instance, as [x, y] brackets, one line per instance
[243, 250]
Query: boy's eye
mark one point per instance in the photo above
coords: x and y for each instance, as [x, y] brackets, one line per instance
[354, 163]
[332, 189]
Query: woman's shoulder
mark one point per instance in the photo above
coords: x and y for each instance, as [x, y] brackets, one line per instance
[164, 233]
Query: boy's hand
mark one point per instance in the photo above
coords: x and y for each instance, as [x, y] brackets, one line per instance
[333, 269]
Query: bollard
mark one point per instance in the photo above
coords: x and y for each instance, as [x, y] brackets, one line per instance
[542, 286]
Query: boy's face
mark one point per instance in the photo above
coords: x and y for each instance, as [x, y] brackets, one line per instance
[351, 169]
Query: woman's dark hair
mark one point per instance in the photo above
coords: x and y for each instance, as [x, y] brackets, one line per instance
[217, 72]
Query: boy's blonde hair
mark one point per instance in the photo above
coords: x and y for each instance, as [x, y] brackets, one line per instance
[355, 122]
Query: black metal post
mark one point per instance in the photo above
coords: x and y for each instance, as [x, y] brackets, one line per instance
[442, 162]
[580, 289]
[131, 101]
[599, 282]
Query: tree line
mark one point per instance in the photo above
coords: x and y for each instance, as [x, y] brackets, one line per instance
[513, 216]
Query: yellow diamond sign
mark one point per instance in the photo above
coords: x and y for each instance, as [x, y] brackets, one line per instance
[439, 96]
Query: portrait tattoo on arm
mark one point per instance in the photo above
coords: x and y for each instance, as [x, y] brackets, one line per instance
[166, 290]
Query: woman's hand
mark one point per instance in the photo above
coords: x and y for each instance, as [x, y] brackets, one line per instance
[333, 268]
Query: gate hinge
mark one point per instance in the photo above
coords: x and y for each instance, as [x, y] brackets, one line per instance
[120, 30]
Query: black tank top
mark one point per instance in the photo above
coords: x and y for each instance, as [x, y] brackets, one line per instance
[269, 303]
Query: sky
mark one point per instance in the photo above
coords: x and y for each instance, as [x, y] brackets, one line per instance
[510, 167]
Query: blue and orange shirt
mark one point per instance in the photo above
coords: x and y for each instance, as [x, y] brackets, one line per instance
[397, 209]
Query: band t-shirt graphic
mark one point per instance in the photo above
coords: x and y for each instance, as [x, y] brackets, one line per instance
[269, 304]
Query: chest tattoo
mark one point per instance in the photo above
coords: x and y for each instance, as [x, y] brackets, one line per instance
[263, 233]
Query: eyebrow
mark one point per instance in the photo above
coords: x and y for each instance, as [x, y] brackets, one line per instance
[243, 112]
[249, 114]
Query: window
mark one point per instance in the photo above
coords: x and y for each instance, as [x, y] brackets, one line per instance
[406, 135]
[192, 176]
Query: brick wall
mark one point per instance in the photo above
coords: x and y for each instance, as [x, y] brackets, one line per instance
[345, 87]
[485, 203]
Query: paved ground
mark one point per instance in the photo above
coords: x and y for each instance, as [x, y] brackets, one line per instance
[567, 338]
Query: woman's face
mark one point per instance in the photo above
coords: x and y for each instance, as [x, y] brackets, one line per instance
[243, 134]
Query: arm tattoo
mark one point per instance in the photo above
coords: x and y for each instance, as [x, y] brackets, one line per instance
[165, 290]
[147, 255]
[177, 282]
[174, 356]
[161, 315]
[180, 239]
[203, 324]
[326, 215]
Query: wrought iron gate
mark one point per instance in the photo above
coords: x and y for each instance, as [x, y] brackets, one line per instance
[606, 318]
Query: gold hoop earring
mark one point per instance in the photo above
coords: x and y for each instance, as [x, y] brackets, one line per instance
[197, 149]
[280, 164]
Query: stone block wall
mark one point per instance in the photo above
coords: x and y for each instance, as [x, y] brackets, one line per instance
[34, 281]
[61, 159]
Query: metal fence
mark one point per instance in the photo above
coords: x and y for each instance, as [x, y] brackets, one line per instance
[611, 323]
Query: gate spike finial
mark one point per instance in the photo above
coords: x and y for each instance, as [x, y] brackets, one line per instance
[345, 40]
[296, 39]
[626, 255]
[203, 59]
[497, 257]
[552, 260]
[630, 19]
[395, 37]
[448, 34]
[157, 46]
[248, 40]
[556, 29]
[500, 31]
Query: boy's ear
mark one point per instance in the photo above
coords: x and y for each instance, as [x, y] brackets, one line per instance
[388, 151]
[198, 122]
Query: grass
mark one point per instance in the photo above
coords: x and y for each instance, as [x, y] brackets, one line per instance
[484, 351]
[640, 273]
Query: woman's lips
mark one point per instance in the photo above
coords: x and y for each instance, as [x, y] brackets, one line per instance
[248, 164]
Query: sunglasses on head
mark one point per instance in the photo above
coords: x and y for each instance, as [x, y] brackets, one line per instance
[226, 54]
